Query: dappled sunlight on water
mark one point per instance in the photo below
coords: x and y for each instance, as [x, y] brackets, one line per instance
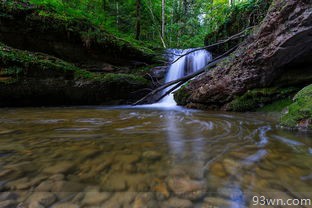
[148, 157]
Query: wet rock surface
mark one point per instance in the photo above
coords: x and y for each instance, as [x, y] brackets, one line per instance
[42, 198]
[44, 80]
[277, 49]
[187, 188]
[152, 155]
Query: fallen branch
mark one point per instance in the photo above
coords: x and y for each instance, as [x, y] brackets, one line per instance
[234, 37]
[186, 78]
[152, 79]
[141, 90]
[170, 91]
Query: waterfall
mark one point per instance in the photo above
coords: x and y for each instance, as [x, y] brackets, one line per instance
[186, 65]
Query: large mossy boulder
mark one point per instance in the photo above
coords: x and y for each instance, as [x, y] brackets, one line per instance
[40, 29]
[277, 55]
[299, 113]
[36, 79]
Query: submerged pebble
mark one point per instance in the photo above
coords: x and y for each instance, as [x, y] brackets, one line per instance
[187, 188]
[152, 155]
[95, 197]
[8, 204]
[220, 202]
[61, 167]
[66, 205]
[179, 203]
[42, 198]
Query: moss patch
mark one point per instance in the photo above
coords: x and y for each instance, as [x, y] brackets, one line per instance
[17, 63]
[276, 106]
[120, 79]
[299, 113]
[36, 79]
[182, 95]
[257, 98]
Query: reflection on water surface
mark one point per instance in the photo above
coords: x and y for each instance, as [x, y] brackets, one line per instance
[110, 157]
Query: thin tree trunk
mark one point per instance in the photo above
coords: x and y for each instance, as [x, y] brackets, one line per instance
[163, 19]
[154, 20]
[138, 20]
[104, 5]
[117, 15]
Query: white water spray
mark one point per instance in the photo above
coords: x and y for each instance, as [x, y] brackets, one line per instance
[184, 66]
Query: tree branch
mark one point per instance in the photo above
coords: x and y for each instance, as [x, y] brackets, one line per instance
[234, 37]
[169, 91]
[186, 78]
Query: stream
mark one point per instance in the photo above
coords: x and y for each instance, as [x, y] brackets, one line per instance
[124, 157]
[157, 155]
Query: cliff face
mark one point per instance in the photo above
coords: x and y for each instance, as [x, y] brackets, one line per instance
[277, 55]
[36, 79]
[43, 57]
[39, 29]
[240, 18]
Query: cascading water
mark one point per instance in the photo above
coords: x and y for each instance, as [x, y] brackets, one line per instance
[185, 65]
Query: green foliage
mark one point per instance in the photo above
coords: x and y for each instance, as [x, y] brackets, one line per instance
[52, 15]
[187, 22]
[257, 98]
[299, 113]
[229, 21]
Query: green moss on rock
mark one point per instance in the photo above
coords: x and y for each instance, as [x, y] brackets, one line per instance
[120, 79]
[299, 113]
[19, 63]
[182, 95]
[35, 79]
[276, 106]
[257, 98]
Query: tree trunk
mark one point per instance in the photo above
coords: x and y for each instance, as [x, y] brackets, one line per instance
[154, 21]
[104, 4]
[117, 15]
[138, 19]
[163, 19]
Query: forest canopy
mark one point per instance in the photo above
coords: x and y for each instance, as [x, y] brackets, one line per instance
[154, 23]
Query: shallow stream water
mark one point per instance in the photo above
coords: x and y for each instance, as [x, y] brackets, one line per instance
[149, 157]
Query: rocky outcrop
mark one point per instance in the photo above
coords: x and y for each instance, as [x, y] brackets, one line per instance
[39, 29]
[36, 79]
[277, 55]
[240, 18]
[47, 58]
